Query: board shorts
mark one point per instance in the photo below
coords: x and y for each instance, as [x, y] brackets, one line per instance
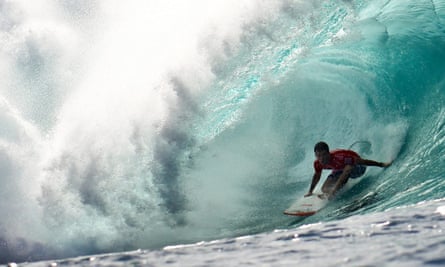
[356, 172]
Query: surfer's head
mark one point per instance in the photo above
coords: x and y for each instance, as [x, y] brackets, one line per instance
[321, 150]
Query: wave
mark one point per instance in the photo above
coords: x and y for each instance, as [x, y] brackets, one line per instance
[140, 125]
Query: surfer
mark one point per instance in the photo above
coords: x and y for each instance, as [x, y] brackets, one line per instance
[344, 164]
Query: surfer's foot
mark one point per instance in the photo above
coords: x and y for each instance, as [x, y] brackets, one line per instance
[330, 195]
[323, 196]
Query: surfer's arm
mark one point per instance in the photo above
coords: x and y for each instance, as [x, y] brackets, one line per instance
[368, 162]
[314, 183]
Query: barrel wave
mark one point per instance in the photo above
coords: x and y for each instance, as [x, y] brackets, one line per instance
[140, 125]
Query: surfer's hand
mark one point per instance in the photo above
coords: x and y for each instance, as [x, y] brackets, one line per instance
[308, 194]
[386, 164]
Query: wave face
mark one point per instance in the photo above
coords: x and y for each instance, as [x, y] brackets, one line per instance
[139, 125]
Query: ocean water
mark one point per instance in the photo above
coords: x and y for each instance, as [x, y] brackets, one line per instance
[176, 132]
[408, 236]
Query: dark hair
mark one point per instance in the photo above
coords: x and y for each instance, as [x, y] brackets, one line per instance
[321, 146]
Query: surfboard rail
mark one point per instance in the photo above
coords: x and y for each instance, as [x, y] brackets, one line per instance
[307, 206]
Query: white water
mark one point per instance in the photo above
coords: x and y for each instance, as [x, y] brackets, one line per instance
[90, 93]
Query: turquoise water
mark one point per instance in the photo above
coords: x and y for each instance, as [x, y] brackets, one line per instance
[123, 131]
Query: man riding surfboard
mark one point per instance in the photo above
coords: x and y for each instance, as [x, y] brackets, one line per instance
[344, 164]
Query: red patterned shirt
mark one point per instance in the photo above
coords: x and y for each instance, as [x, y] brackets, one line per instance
[339, 159]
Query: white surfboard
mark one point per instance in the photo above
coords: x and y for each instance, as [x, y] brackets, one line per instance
[307, 206]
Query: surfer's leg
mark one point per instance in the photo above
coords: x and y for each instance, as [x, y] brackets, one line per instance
[330, 182]
[357, 171]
